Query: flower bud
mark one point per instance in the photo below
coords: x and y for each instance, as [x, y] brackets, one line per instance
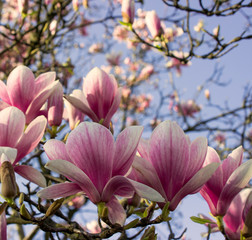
[128, 11]
[24, 212]
[54, 207]
[55, 106]
[153, 23]
[9, 188]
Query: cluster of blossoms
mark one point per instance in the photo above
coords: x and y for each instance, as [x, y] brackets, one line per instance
[188, 108]
[102, 168]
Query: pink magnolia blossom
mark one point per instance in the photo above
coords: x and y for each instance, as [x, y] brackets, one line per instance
[153, 23]
[236, 214]
[27, 93]
[96, 164]
[228, 180]
[100, 94]
[120, 33]
[15, 143]
[188, 108]
[146, 72]
[172, 164]
[128, 11]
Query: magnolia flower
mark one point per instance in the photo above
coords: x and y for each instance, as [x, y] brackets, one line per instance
[228, 180]
[171, 164]
[153, 23]
[146, 72]
[128, 11]
[96, 165]
[188, 108]
[101, 96]
[15, 143]
[236, 214]
[27, 93]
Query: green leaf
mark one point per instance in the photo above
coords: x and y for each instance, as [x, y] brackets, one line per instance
[201, 220]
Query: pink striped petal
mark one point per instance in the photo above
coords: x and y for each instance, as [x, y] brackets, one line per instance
[4, 96]
[147, 174]
[231, 163]
[59, 190]
[91, 147]
[31, 174]
[169, 150]
[118, 185]
[32, 135]
[116, 213]
[147, 192]
[44, 80]
[12, 123]
[126, 146]
[74, 174]
[195, 183]
[113, 108]
[39, 101]
[20, 85]
[198, 151]
[82, 106]
[236, 182]
[56, 149]
[144, 148]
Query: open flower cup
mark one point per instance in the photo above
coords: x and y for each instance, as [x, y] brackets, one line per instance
[95, 164]
[172, 164]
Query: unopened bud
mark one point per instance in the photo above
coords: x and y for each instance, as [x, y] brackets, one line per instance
[166, 212]
[131, 224]
[128, 11]
[207, 94]
[2, 207]
[9, 188]
[247, 229]
[135, 200]
[21, 198]
[149, 234]
[24, 212]
[85, 3]
[54, 207]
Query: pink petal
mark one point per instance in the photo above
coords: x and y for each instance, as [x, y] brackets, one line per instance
[198, 151]
[169, 150]
[74, 174]
[236, 182]
[147, 174]
[11, 153]
[126, 146]
[12, 123]
[113, 108]
[4, 93]
[59, 190]
[4, 105]
[44, 80]
[32, 135]
[3, 226]
[91, 148]
[39, 101]
[147, 192]
[232, 162]
[56, 149]
[195, 183]
[20, 85]
[118, 185]
[31, 174]
[82, 106]
[233, 217]
[144, 148]
[116, 212]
